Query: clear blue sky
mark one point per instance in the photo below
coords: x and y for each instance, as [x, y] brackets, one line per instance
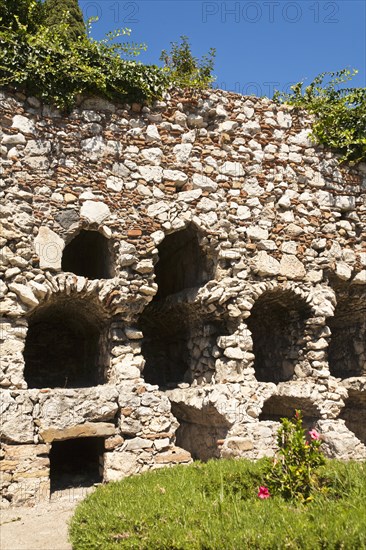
[261, 44]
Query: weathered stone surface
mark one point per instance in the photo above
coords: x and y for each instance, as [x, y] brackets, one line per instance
[60, 409]
[23, 124]
[138, 443]
[203, 182]
[182, 152]
[174, 456]
[234, 169]
[360, 278]
[49, 246]
[234, 353]
[151, 173]
[13, 139]
[95, 212]
[67, 218]
[120, 464]
[17, 424]
[89, 429]
[152, 133]
[231, 265]
[176, 176]
[257, 233]
[114, 183]
[25, 294]
[265, 265]
[239, 444]
[291, 267]
[343, 271]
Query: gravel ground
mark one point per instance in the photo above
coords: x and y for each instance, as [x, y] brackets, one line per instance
[43, 527]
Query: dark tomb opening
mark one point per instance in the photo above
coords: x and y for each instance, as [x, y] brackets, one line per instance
[181, 264]
[277, 324]
[88, 255]
[347, 347]
[76, 462]
[165, 345]
[64, 346]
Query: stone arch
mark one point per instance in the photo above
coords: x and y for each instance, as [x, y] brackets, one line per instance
[347, 348]
[354, 413]
[88, 255]
[277, 324]
[182, 263]
[66, 344]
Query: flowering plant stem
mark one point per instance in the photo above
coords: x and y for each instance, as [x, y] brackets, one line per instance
[293, 472]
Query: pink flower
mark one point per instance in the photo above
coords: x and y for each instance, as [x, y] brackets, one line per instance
[314, 434]
[263, 493]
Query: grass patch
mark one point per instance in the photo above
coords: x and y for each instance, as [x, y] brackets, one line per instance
[215, 506]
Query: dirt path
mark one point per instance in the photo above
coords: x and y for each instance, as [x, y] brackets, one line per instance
[43, 527]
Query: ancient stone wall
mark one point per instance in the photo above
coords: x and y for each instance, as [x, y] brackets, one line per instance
[175, 279]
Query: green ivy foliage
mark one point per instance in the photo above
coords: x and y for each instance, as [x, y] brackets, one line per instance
[46, 50]
[184, 69]
[340, 112]
[21, 12]
[52, 64]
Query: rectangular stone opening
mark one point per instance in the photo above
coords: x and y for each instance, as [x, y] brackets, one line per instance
[76, 463]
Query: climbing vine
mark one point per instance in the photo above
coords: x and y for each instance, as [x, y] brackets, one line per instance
[56, 65]
[340, 112]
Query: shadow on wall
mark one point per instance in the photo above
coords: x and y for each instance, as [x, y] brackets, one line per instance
[277, 324]
[64, 346]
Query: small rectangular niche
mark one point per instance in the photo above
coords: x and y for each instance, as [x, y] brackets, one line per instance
[76, 463]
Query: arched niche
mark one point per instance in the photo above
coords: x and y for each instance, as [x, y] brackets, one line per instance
[182, 263]
[88, 255]
[284, 406]
[177, 343]
[347, 347]
[277, 324]
[65, 346]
